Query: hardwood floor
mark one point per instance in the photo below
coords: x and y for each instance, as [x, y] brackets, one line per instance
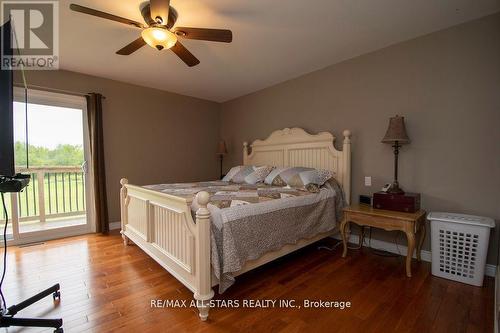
[107, 287]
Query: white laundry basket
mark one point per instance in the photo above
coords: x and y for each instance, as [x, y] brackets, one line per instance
[459, 246]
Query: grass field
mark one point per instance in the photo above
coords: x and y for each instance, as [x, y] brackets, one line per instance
[64, 195]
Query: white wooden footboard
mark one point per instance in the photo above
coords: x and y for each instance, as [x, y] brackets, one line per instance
[162, 226]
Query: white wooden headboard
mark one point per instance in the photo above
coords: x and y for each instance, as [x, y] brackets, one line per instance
[292, 147]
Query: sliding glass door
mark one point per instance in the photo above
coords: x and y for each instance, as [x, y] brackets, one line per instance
[57, 201]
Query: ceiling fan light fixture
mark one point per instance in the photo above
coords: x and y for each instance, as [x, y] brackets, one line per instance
[159, 38]
[160, 17]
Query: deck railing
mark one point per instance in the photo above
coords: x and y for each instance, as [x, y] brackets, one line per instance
[53, 192]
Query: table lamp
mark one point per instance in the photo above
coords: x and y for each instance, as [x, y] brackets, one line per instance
[396, 135]
[221, 151]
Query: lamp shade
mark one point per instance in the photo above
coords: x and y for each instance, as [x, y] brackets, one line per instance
[396, 131]
[159, 38]
[221, 148]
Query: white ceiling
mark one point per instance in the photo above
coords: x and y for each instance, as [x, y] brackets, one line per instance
[273, 40]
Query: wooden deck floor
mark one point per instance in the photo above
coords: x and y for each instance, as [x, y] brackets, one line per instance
[107, 287]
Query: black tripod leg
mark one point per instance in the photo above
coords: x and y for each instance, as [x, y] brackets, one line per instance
[30, 322]
[24, 304]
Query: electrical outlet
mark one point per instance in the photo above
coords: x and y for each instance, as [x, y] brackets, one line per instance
[368, 181]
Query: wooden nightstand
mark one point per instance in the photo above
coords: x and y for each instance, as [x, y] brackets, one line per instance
[409, 223]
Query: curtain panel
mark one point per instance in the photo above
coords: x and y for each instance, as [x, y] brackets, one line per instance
[94, 112]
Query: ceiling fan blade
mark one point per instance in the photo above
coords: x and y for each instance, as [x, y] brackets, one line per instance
[132, 47]
[98, 13]
[184, 54]
[213, 35]
[160, 8]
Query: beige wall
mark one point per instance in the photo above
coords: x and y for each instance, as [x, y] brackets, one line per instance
[169, 137]
[447, 85]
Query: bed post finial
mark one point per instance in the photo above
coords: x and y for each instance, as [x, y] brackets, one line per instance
[203, 293]
[203, 198]
[123, 208]
[346, 151]
[347, 136]
[245, 152]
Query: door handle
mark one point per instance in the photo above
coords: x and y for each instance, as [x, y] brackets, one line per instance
[85, 167]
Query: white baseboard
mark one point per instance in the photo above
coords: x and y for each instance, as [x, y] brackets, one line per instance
[115, 225]
[402, 250]
[490, 270]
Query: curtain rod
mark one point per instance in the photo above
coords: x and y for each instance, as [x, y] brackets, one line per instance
[67, 92]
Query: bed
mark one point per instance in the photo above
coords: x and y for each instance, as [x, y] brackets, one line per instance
[177, 227]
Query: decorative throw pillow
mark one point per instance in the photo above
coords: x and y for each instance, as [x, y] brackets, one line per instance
[274, 175]
[299, 177]
[259, 174]
[231, 173]
[247, 174]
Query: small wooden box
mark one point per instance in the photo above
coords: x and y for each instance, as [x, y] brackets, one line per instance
[407, 202]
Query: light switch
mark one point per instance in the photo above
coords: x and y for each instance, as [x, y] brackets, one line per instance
[368, 181]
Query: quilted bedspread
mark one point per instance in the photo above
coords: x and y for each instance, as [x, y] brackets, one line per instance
[251, 220]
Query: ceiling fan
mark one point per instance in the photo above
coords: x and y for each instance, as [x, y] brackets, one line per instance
[158, 32]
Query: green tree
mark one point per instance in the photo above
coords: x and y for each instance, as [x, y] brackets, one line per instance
[62, 155]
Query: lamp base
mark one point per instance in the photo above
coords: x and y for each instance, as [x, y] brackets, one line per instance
[221, 158]
[395, 189]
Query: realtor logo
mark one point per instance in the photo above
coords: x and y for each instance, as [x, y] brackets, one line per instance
[35, 34]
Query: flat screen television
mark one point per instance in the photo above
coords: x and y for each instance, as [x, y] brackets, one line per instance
[6, 107]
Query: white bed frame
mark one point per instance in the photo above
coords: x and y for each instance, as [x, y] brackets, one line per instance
[162, 226]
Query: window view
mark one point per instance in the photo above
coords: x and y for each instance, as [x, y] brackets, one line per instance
[55, 196]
